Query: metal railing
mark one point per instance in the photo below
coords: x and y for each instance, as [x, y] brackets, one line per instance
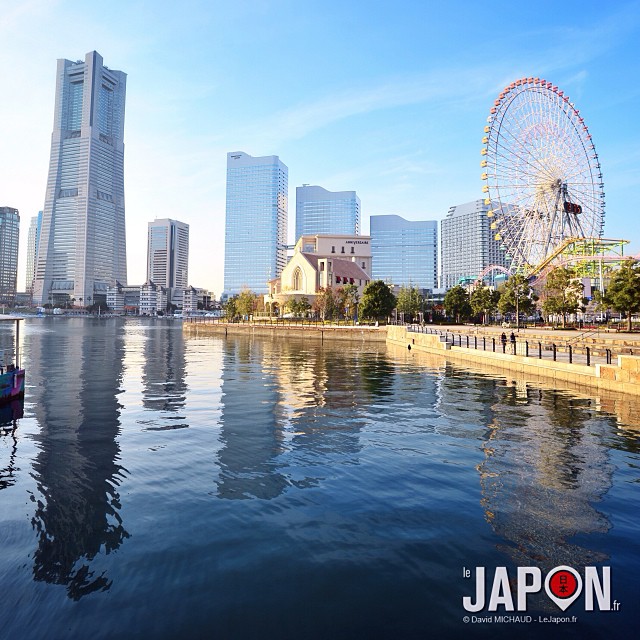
[519, 347]
[582, 336]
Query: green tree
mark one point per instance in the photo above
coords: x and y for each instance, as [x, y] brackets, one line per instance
[563, 293]
[484, 301]
[298, 306]
[517, 297]
[623, 293]
[291, 306]
[378, 300]
[409, 301]
[341, 301]
[600, 302]
[325, 303]
[456, 303]
[303, 306]
[231, 308]
[246, 302]
[351, 298]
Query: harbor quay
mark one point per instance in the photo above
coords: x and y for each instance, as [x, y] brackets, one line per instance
[306, 330]
[621, 374]
[598, 340]
[599, 360]
[624, 406]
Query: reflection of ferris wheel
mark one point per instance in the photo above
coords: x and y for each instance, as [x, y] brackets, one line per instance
[543, 177]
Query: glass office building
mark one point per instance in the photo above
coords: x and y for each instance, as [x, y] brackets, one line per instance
[468, 245]
[32, 251]
[319, 211]
[82, 247]
[9, 240]
[404, 252]
[255, 248]
[168, 255]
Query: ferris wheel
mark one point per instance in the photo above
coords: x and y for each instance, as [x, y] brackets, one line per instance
[543, 181]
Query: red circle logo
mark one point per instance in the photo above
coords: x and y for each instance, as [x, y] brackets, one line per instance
[563, 584]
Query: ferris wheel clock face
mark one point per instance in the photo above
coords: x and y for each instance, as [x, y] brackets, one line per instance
[542, 177]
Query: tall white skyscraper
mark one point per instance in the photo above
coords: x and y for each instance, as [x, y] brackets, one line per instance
[322, 211]
[32, 251]
[256, 222]
[168, 254]
[82, 248]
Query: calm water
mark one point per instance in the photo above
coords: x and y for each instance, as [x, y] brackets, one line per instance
[168, 487]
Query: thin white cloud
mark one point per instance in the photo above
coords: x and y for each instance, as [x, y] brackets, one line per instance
[545, 52]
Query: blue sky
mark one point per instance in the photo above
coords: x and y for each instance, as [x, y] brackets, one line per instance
[389, 99]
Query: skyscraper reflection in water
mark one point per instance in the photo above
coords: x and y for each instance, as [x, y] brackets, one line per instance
[306, 403]
[250, 431]
[77, 470]
[163, 377]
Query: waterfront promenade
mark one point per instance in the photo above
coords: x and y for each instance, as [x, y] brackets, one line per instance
[290, 329]
[566, 364]
[575, 347]
[592, 359]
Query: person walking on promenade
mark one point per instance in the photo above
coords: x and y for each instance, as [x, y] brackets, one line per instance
[503, 339]
[512, 338]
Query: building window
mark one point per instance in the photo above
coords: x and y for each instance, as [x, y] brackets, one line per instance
[342, 250]
[333, 249]
[297, 280]
[363, 265]
[353, 249]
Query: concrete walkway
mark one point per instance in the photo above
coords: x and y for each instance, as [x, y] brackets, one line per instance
[570, 346]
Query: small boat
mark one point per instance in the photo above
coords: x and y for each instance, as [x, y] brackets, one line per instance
[11, 373]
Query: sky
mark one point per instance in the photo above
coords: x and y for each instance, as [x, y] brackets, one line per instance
[385, 98]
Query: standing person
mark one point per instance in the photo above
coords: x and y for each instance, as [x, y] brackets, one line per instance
[503, 339]
[512, 338]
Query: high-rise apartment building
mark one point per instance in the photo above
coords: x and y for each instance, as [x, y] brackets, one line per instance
[468, 244]
[256, 222]
[82, 248]
[9, 240]
[168, 255]
[319, 211]
[404, 252]
[32, 251]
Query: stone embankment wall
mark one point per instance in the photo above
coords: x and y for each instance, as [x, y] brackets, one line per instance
[623, 377]
[307, 332]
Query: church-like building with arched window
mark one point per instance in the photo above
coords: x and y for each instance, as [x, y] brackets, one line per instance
[319, 262]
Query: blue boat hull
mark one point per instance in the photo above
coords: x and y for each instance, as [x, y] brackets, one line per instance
[11, 385]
